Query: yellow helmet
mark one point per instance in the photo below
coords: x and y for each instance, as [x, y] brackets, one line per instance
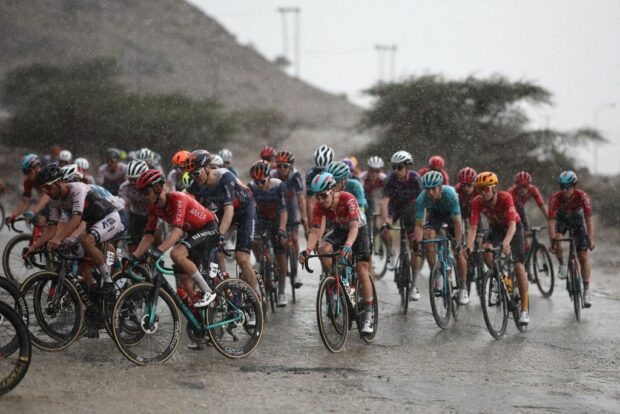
[486, 179]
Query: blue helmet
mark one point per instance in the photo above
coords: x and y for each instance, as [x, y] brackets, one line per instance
[339, 170]
[432, 179]
[567, 178]
[29, 161]
[322, 182]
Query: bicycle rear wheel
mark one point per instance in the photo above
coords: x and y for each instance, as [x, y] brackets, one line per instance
[229, 319]
[543, 270]
[15, 349]
[494, 304]
[403, 281]
[291, 261]
[379, 257]
[440, 293]
[332, 314]
[132, 314]
[576, 290]
[2, 216]
[454, 281]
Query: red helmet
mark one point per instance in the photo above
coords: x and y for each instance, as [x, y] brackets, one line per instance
[268, 152]
[285, 157]
[150, 178]
[260, 170]
[467, 175]
[436, 162]
[178, 159]
[523, 178]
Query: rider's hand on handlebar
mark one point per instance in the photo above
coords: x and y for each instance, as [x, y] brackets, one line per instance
[52, 245]
[303, 255]
[155, 253]
[505, 249]
[591, 245]
[346, 252]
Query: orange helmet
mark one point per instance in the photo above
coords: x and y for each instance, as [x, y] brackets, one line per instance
[178, 159]
[285, 157]
[486, 179]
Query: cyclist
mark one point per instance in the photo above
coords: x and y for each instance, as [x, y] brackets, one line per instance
[436, 163]
[402, 187]
[323, 155]
[31, 167]
[466, 191]
[347, 235]
[227, 157]
[175, 176]
[270, 196]
[505, 229]
[64, 158]
[521, 192]
[53, 156]
[568, 209]
[441, 205]
[83, 166]
[152, 159]
[234, 202]
[112, 173]
[193, 232]
[373, 180]
[342, 174]
[268, 153]
[135, 203]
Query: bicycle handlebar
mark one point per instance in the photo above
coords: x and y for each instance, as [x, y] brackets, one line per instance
[163, 269]
[304, 264]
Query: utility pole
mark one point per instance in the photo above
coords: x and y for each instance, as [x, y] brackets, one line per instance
[597, 111]
[387, 64]
[284, 11]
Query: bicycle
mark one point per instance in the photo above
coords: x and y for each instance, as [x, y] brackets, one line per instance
[149, 309]
[402, 274]
[15, 348]
[443, 283]
[267, 270]
[15, 266]
[538, 264]
[574, 281]
[10, 294]
[338, 304]
[380, 251]
[500, 296]
[291, 262]
[2, 215]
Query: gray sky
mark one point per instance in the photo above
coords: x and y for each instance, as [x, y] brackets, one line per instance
[572, 48]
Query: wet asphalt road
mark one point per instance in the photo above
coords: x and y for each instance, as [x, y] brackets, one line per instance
[558, 365]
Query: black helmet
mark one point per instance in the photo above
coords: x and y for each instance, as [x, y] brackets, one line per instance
[49, 174]
[112, 154]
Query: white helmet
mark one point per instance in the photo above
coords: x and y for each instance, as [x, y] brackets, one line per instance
[323, 156]
[65, 156]
[402, 157]
[216, 161]
[145, 154]
[375, 162]
[82, 163]
[135, 168]
[226, 155]
[70, 173]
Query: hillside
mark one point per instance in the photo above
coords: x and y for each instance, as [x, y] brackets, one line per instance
[162, 46]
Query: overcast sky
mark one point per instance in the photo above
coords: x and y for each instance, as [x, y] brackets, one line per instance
[572, 48]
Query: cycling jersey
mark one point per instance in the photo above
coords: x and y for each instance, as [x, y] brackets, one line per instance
[355, 187]
[81, 200]
[465, 199]
[341, 215]
[294, 187]
[135, 202]
[310, 174]
[174, 178]
[117, 202]
[111, 180]
[500, 215]
[271, 202]
[520, 200]
[447, 206]
[28, 186]
[180, 210]
[444, 174]
[227, 190]
[402, 193]
[562, 208]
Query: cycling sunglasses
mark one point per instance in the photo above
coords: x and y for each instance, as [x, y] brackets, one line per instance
[322, 196]
[260, 182]
[284, 165]
[566, 186]
[398, 167]
[194, 174]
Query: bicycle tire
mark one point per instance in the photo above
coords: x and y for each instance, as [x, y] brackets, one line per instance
[404, 282]
[543, 271]
[332, 314]
[2, 216]
[12, 258]
[493, 297]
[456, 307]
[379, 250]
[20, 362]
[237, 339]
[270, 284]
[369, 337]
[292, 263]
[576, 293]
[132, 298]
[440, 294]
[14, 298]
[45, 335]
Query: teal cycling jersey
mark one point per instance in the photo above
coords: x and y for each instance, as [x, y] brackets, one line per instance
[357, 189]
[447, 205]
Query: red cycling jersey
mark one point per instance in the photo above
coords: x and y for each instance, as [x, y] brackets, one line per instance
[341, 215]
[499, 215]
[521, 200]
[465, 199]
[578, 202]
[181, 210]
[446, 179]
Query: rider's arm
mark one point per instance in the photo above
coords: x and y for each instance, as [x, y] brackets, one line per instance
[471, 235]
[145, 243]
[420, 210]
[512, 227]
[313, 237]
[43, 200]
[46, 235]
[353, 230]
[458, 229]
[24, 202]
[590, 227]
[474, 218]
[301, 202]
[71, 225]
[283, 220]
[385, 201]
[81, 229]
[175, 234]
[229, 212]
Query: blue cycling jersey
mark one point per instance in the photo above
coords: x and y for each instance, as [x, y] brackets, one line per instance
[357, 189]
[446, 205]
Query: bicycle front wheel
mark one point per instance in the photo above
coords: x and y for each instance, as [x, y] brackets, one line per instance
[291, 261]
[494, 304]
[440, 292]
[14, 266]
[379, 257]
[403, 281]
[15, 349]
[576, 290]
[543, 271]
[332, 314]
[132, 317]
[2, 216]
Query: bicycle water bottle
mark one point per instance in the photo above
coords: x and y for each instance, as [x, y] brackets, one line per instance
[508, 283]
[347, 275]
[213, 270]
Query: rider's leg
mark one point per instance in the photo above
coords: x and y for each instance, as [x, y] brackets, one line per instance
[326, 247]
[523, 286]
[180, 257]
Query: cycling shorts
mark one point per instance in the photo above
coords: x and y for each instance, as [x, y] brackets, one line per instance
[269, 228]
[361, 248]
[107, 228]
[200, 242]
[495, 236]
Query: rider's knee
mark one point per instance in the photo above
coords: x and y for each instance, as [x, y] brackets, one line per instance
[178, 252]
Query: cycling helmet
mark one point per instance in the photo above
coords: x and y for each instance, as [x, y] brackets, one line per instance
[523, 178]
[486, 179]
[178, 159]
[285, 157]
[267, 152]
[65, 156]
[135, 168]
[432, 179]
[216, 161]
[226, 155]
[82, 163]
[322, 182]
[71, 173]
[339, 170]
[402, 157]
[260, 170]
[567, 178]
[349, 163]
[112, 154]
[145, 154]
[467, 175]
[436, 162]
[354, 161]
[197, 159]
[29, 161]
[375, 162]
[323, 156]
[186, 180]
[49, 174]
[150, 178]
